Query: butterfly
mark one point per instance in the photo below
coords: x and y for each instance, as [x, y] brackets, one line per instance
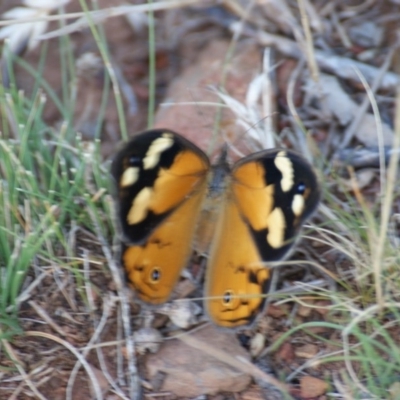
[162, 181]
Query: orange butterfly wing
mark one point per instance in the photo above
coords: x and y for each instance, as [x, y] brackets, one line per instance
[161, 180]
[269, 196]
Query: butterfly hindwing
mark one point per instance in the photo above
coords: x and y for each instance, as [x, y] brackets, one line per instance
[268, 197]
[154, 267]
[160, 180]
[236, 277]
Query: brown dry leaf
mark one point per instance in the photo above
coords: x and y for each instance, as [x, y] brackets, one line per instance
[285, 352]
[323, 307]
[252, 393]
[306, 351]
[191, 372]
[312, 387]
[275, 311]
[304, 310]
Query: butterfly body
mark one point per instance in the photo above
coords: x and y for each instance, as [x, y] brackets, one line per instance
[256, 209]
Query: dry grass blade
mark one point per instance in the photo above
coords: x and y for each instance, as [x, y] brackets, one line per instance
[21, 370]
[308, 41]
[268, 100]
[42, 313]
[108, 305]
[388, 182]
[351, 129]
[101, 15]
[77, 354]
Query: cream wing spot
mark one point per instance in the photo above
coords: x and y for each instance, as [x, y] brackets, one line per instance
[152, 157]
[298, 205]
[276, 228]
[140, 206]
[129, 176]
[285, 166]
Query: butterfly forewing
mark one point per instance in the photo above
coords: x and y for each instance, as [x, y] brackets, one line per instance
[284, 191]
[153, 174]
[236, 277]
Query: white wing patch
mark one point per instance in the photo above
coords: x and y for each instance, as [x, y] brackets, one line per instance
[152, 157]
[140, 206]
[285, 166]
[276, 228]
[129, 176]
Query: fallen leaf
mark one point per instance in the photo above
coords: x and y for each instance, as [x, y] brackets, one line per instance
[306, 351]
[190, 372]
[285, 352]
[304, 310]
[312, 387]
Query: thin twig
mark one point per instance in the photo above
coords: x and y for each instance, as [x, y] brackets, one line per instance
[134, 387]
